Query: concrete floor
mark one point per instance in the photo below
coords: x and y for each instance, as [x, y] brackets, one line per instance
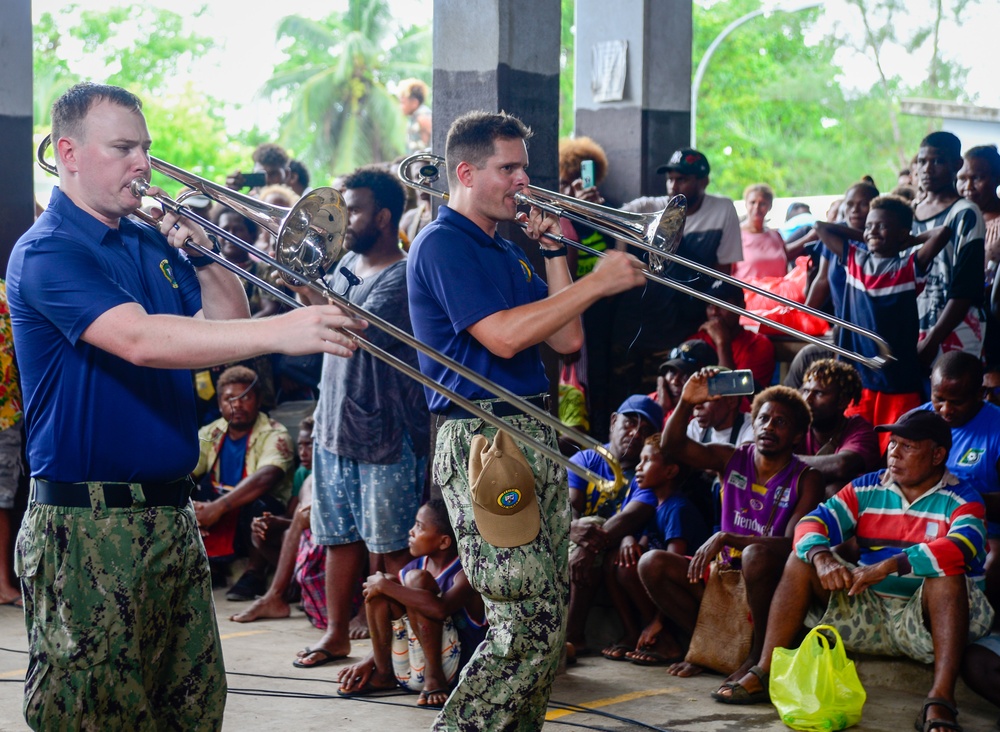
[643, 698]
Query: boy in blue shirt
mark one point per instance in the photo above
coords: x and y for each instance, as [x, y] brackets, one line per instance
[676, 527]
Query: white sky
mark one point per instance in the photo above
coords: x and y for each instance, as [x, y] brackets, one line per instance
[247, 56]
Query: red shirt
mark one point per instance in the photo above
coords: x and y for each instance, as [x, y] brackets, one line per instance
[750, 351]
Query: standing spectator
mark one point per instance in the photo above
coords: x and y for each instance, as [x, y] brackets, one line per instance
[950, 304]
[475, 298]
[412, 102]
[594, 361]
[977, 182]
[371, 435]
[109, 318]
[298, 179]
[10, 449]
[666, 317]
[245, 462]
[269, 159]
[890, 311]
[763, 248]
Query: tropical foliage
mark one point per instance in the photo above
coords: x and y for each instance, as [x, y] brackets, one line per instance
[337, 80]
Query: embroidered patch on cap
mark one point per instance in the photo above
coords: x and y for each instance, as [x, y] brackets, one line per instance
[509, 498]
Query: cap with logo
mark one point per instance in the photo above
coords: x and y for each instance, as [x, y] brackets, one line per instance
[645, 407]
[689, 357]
[503, 491]
[686, 161]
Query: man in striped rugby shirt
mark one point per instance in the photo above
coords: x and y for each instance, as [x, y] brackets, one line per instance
[917, 588]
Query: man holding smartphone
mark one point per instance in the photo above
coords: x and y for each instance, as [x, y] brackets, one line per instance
[765, 491]
[270, 167]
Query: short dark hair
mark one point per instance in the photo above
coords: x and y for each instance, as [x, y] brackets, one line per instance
[862, 185]
[895, 206]
[788, 397]
[300, 170]
[216, 214]
[989, 154]
[70, 109]
[439, 515]
[728, 292]
[387, 191]
[946, 142]
[472, 138]
[955, 365]
[238, 375]
[839, 374]
[307, 424]
[271, 155]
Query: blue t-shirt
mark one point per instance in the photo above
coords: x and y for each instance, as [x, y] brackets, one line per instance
[677, 518]
[594, 503]
[975, 449]
[90, 415]
[456, 275]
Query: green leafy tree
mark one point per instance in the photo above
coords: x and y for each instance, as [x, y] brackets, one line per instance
[336, 82]
[187, 127]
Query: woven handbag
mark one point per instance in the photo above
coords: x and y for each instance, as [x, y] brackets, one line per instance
[723, 633]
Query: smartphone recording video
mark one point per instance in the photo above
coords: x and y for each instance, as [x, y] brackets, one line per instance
[731, 383]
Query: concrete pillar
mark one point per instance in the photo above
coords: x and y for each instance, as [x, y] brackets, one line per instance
[17, 200]
[500, 55]
[652, 119]
[497, 55]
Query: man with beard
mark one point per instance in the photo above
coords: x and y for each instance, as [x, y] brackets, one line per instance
[839, 447]
[765, 491]
[957, 395]
[372, 427]
[600, 521]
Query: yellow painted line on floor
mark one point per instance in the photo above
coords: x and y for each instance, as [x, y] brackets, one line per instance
[598, 703]
[242, 634]
[17, 673]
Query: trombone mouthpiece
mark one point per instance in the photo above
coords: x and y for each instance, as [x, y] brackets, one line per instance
[138, 187]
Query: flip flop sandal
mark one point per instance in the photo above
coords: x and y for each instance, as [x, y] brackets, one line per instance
[616, 652]
[327, 657]
[922, 724]
[739, 694]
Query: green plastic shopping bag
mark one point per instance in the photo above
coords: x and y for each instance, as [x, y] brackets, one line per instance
[815, 687]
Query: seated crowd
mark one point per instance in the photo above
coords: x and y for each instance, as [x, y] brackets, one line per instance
[855, 495]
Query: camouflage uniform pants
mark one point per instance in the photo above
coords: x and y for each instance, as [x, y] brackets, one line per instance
[120, 618]
[506, 684]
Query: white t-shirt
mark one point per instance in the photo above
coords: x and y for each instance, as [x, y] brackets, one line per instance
[745, 435]
[711, 234]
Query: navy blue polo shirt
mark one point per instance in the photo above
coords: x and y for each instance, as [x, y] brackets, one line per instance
[456, 275]
[91, 416]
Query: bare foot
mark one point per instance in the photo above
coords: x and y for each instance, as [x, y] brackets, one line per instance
[364, 676]
[266, 606]
[357, 629]
[684, 669]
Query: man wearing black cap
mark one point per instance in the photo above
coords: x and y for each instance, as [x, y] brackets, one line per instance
[917, 589]
[666, 316]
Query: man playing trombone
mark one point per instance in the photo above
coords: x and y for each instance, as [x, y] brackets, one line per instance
[474, 297]
[108, 319]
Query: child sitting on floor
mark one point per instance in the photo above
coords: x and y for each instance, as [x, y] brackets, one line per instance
[678, 527]
[424, 624]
